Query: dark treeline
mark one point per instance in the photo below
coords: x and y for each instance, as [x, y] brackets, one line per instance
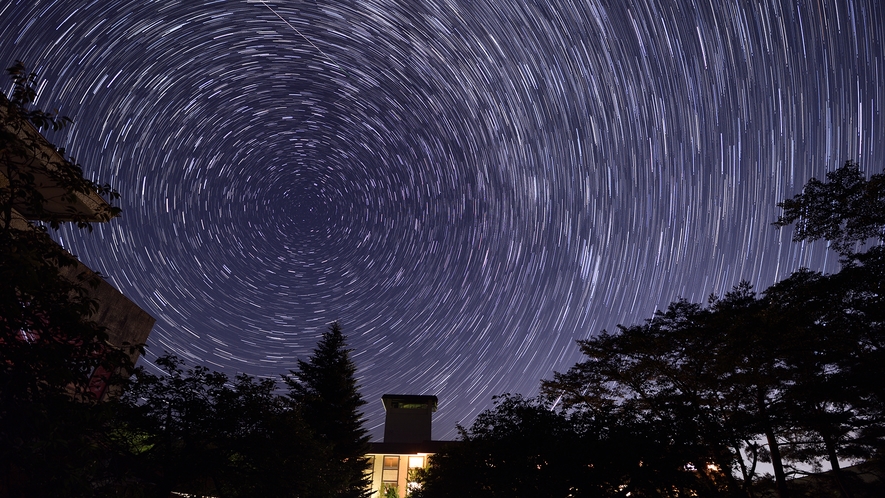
[691, 401]
[195, 431]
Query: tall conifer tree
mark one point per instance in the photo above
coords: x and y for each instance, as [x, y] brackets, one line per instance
[325, 387]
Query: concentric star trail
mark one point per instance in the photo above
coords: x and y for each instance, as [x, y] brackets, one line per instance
[468, 186]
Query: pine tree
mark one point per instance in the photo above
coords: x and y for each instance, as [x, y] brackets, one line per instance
[325, 388]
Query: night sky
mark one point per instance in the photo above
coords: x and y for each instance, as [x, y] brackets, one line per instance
[468, 186]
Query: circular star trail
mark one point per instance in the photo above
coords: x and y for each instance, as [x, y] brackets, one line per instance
[468, 186]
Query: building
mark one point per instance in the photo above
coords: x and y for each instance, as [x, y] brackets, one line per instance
[407, 443]
[54, 195]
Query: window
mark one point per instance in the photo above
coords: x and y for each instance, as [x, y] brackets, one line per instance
[390, 473]
[416, 466]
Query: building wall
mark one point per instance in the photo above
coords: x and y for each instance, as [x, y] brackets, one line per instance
[404, 425]
[407, 444]
[125, 323]
[392, 469]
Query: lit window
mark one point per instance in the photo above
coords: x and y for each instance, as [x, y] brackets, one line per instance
[416, 461]
[390, 473]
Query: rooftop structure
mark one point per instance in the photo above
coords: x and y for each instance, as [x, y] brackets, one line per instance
[407, 443]
[408, 418]
[49, 167]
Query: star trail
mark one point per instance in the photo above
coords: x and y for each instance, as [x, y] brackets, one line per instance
[468, 186]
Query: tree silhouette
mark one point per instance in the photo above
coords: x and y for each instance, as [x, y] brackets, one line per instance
[192, 430]
[50, 436]
[326, 389]
[846, 210]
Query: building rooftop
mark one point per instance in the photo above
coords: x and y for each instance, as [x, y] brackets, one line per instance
[48, 165]
[409, 401]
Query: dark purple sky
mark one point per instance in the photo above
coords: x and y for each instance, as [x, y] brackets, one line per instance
[468, 186]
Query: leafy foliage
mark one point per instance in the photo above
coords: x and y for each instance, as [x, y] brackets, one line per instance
[48, 341]
[51, 435]
[787, 367]
[522, 447]
[29, 163]
[846, 210]
[197, 431]
[192, 430]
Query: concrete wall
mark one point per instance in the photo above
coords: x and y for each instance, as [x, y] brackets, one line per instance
[408, 418]
[124, 320]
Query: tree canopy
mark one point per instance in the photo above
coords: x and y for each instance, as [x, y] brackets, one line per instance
[846, 210]
[692, 400]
